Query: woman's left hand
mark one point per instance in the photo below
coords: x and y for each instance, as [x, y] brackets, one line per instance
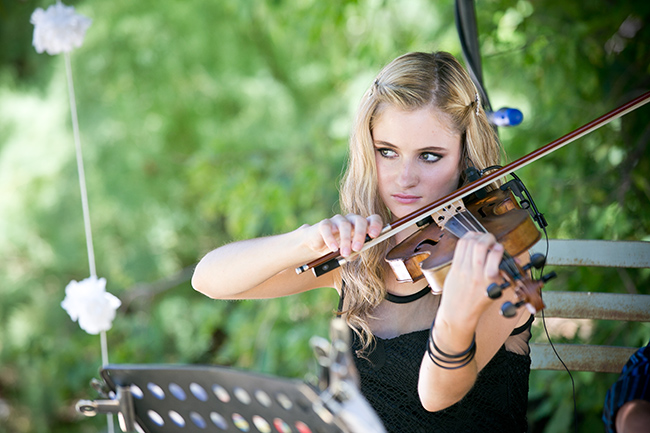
[474, 267]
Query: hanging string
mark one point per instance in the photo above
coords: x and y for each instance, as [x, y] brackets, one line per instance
[84, 205]
[80, 167]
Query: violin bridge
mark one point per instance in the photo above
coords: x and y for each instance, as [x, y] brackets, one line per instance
[443, 215]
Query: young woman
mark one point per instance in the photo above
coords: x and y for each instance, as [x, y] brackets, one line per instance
[428, 363]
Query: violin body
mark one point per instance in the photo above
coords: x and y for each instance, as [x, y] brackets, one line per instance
[429, 251]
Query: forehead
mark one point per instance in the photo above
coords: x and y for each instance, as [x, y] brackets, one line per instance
[396, 125]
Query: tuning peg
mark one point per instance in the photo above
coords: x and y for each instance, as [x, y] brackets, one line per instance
[548, 276]
[495, 290]
[537, 260]
[508, 309]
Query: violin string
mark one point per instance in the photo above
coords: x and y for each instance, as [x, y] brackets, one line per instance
[468, 221]
[467, 224]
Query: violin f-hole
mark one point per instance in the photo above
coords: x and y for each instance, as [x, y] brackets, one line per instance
[430, 242]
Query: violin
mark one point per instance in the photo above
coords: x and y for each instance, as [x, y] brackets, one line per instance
[427, 253]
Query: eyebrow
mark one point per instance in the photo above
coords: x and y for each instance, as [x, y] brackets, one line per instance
[424, 149]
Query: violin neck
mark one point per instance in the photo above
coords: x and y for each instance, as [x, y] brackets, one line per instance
[464, 221]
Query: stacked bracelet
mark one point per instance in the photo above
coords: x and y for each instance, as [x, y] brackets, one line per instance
[450, 361]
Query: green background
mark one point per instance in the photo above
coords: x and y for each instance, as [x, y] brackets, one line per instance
[204, 122]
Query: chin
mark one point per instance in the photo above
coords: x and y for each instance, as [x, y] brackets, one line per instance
[401, 214]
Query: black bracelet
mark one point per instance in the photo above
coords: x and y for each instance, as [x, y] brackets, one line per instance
[462, 358]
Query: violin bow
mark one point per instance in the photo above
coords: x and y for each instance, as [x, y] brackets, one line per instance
[333, 260]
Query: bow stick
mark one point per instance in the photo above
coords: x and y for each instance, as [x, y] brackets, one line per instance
[333, 260]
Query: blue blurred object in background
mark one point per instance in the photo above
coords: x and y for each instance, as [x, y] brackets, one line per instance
[505, 117]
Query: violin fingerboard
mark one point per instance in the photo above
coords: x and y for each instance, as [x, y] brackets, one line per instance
[462, 223]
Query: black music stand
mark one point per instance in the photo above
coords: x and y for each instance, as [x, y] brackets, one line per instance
[177, 398]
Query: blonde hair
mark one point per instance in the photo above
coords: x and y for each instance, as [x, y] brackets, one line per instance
[410, 82]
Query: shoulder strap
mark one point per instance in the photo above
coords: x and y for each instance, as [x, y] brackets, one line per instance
[523, 327]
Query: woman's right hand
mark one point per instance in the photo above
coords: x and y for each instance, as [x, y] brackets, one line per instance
[346, 234]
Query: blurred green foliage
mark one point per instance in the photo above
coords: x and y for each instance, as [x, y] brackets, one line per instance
[204, 122]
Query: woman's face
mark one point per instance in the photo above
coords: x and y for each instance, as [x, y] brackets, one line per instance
[418, 158]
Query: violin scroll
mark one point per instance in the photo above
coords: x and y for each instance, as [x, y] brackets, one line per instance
[523, 288]
[508, 309]
[527, 290]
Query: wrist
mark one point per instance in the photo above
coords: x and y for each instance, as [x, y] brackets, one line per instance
[450, 360]
[309, 243]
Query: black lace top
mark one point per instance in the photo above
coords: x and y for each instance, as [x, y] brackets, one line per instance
[496, 403]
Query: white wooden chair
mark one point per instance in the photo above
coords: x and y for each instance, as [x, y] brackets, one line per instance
[590, 305]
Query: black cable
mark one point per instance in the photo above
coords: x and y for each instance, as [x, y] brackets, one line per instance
[573, 385]
[541, 221]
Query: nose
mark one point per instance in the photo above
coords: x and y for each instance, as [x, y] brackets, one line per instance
[408, 175]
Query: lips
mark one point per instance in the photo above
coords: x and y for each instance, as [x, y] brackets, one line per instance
[406, 198]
